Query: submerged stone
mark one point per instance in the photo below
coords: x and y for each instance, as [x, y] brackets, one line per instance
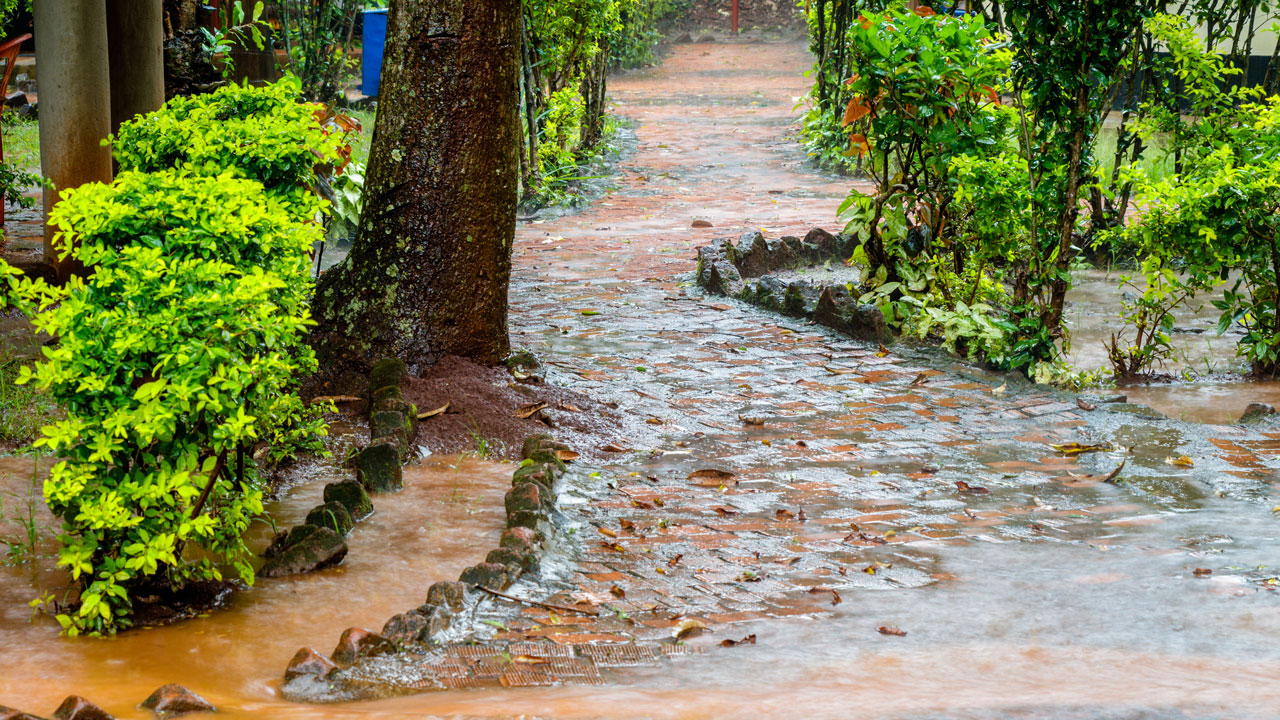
[490, 575]
[170, 700]
[447, 593]
[77, 708]
[333, 515]
[1256, 412]
[405, 627]
[8, 713]
[309, 662]
[378, 467]
[352, 495]
[316, 550]
[356, 643]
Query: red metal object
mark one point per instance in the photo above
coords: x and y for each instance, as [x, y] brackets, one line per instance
[9, 55]
[734, 17]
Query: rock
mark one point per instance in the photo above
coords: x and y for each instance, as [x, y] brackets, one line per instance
[378, 467]
[309, 662]
[447, 594]
[352, 495]
[286, 538]
[8, 713]
[837, 309]
[723, 278]
[317, 550]
[536, 443]
[753, 254]
[490, 575]
[825, 241]
[1256, 412]
[539, 474]
[387, 372]
[357, 643]
[439, 620]
[516, 561]
[707, 38]
[77, 708]
[393, 426]
[332, 515]
[15, 101]
[29, 112]
[782, 254]
[524, 504]
[794, 300]
[701, 223]
[405, 627]
[519, 538]
[172, 700]
[683, 38]
[548, 457]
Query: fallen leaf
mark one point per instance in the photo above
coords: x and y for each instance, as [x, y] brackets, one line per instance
[801, 516]
[841, 371]
[530, 660]
[527, 411]
[675, 560]
[613, 448]
[618, 592]
[968, 489]
[438, 411]
[724, 511]
[589, 313]
[889, 630]
[784, 514]
[1080, 403]
[715, 477]
[566, 455]
[1076, 448]
[748, 640]
[921, 379]
[335, 399]
[641, 504]
[689, 628]
[748, 420]
[1000, 390]
[653, 421]
[1180, 461]
[607, 532]
[1112, 475]
[1202, 572]
[627, 525]
[570, 408]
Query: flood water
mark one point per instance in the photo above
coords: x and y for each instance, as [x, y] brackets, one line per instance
[448, 515]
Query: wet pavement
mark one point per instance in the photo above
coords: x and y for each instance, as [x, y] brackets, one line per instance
[821, 495]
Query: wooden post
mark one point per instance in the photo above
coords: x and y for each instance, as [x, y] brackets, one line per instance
[734, 16]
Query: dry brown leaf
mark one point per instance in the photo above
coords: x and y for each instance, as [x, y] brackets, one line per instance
[675, 560]
[1202, 572]
[1080, 403]
[889, 630]
[967, 489]
[724, 511]
[613, 448]
[689, 628]
[712, 476]
[784, 514]
[607, 532]
[566, 455]
[748, 640]
[1076, 448]
[438, 411]
[748, 420]
[1180, 461]
[618, 592]
[530, 660]
[841, 371]
[653, 421]
[527, 411]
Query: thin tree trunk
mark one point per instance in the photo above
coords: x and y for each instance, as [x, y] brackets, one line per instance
[428, 273]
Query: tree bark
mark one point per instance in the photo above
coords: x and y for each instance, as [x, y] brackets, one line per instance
[427, 275]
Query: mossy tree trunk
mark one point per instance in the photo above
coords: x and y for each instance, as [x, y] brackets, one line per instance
[428, 273]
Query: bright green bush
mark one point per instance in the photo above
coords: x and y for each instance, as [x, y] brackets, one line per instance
[176, 359]
[261, 133]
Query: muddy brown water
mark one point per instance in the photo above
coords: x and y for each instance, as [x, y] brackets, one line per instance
[1096, 614]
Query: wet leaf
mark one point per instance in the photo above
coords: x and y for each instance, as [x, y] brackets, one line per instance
[607, 532]
[921, 379]
[748, 640]
[890, 630]
[1080, 403]
[618, 592]
[784, 514]
[530, 660]
[1076, 448]
[1112, 475]
[589, 313]
[801, 516]
[527, 411]
[613, 448]
[1000, 390]
[750, 420]
[438, 411]
[711, 476]
[1180, 461]
[841, 371]
[967, 489]
[1202, 572]
[653, 421]
[566, 455]
[337, 399]
[627, 525]
[675, 560]
[724, 511]
[689, 628]
[570, 408]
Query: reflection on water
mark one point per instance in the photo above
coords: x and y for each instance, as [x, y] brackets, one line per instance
[1215, 403]
[449, 514]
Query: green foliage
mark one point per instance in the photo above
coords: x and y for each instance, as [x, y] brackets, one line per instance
[259, 133]
[1149, 316]
[176, 356]
[13, 181]
[316, 37]
[640, 30]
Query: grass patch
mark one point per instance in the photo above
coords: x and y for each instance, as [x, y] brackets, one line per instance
[21, 142]
[23, 409]
[361, 141]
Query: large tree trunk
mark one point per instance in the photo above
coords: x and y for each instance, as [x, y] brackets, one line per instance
[427, 275]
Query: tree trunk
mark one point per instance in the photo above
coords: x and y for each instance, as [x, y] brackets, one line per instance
[427, 275]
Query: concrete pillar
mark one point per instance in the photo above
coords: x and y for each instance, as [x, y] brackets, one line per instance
[135, 45]
[75, 101]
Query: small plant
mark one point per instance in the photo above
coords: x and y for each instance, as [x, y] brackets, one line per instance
[1149, 316]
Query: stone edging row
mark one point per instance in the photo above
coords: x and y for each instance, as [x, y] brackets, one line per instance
[529, 506]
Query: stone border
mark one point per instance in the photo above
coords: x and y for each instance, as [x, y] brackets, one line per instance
[319, 542]
[529, 504]
[742, 271]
